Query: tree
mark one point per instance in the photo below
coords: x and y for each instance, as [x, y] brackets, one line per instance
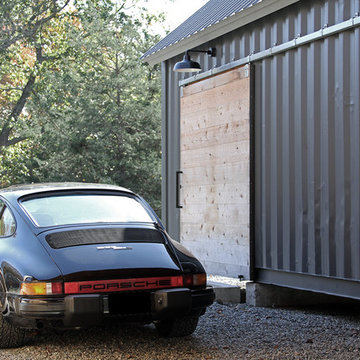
[93, 109]
[22, 20]
[100, 111]
[22, 53]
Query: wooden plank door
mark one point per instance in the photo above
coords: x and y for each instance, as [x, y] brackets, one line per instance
[214, 218]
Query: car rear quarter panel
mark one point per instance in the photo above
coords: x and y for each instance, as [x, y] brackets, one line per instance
[23, 255]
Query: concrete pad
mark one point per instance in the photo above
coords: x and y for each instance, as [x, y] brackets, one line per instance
[227, 290]
[266, 295]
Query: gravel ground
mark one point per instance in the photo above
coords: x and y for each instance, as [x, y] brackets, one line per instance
[224, 332]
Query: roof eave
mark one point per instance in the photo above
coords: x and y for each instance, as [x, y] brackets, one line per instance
[253, 13]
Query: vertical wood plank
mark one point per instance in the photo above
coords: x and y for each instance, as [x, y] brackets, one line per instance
[214, 219]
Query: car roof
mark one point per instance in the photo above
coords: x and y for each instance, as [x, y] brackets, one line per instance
[17, 191]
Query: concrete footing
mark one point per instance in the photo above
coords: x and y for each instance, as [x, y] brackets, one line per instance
[232, 295]
[264, 295]
[232, 290]
[227, 290]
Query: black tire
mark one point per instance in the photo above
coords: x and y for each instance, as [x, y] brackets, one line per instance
[10, 335]
[177, 327]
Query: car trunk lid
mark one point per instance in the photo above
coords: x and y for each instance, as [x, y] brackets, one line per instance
[103, 253]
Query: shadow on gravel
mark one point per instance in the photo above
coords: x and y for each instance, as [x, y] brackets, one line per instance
[224, 332]
[129, 338]
[347, 309]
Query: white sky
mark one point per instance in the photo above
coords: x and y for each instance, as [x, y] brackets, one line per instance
[176, 11]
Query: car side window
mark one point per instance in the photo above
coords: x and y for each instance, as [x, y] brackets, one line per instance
[7, 221]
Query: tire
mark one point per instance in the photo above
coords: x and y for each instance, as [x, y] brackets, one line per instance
[10, 335]
[177, 327]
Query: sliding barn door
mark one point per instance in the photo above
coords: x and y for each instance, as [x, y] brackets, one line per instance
[214, 218]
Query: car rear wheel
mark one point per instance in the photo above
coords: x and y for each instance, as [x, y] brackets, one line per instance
[177, 327]
[10, 335]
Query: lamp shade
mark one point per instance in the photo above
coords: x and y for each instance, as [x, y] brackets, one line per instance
[187, 65]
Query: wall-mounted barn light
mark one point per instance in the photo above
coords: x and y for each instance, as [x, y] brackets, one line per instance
[187, 65]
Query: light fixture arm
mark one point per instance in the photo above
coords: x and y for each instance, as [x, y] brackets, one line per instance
[211, 51]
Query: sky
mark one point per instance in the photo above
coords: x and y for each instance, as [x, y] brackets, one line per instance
[176, 11]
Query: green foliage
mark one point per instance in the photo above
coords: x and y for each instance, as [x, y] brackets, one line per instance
[16, 165]
[28, 31]
[23, 20]
[94, 110]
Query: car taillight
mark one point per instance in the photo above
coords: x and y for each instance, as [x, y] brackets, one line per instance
[41, 288]
[195, 280]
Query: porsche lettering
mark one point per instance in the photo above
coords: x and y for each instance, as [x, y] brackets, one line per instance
[125, 285]
[122, 285]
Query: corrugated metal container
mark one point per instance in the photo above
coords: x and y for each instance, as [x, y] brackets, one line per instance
[307, 159]
[306, 145]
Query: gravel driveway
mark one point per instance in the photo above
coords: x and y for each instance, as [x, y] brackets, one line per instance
[224, 332]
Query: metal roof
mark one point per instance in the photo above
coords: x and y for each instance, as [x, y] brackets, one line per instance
[214, 19]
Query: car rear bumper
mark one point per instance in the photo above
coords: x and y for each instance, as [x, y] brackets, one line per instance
[89, 309]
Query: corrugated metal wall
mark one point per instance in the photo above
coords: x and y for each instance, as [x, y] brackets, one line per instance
[170, 138]
[302, 18]
[307, 161]
[307, 135]
[307, 157]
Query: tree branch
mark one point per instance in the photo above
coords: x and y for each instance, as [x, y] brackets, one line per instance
[4, 138]
[11, 89]
[31, 30]
[19, 106]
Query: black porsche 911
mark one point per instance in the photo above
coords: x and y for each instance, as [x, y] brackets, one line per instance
[73, 254]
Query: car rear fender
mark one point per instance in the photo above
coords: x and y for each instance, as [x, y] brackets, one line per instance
[188, 262]
[23, 255]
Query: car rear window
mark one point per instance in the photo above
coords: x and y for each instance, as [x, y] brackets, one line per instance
[81, 209]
